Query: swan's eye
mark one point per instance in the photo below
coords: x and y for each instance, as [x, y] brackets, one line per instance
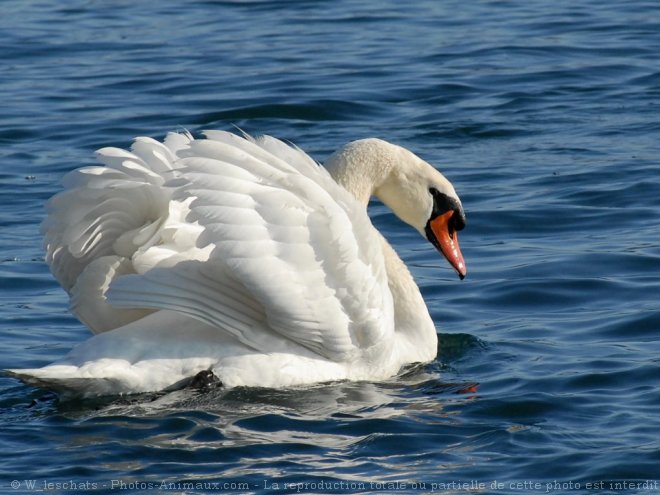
[442, 204]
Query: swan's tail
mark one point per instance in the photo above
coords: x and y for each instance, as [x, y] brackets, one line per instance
[67, 386]
[150, 355]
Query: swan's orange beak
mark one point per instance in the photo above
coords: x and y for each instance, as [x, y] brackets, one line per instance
[447, 242]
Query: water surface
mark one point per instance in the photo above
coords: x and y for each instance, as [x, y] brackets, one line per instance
[545, 117]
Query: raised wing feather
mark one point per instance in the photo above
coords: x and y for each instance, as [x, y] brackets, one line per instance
[287, 238]
[106, 213]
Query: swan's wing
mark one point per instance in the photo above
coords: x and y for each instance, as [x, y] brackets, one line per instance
[103, 216]
[282, 239]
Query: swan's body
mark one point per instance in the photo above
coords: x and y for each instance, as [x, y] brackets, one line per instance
[243, 257]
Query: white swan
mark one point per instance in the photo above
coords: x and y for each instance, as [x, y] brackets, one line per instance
[244, 257]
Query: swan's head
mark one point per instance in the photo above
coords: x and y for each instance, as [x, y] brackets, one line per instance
[415, 191]
[446, 219]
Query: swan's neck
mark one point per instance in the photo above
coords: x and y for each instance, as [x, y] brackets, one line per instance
[414, 327]
[362, 167]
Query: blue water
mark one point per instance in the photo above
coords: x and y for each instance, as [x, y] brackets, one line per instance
[546, 117]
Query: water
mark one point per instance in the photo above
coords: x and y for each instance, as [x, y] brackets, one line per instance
[545, 115]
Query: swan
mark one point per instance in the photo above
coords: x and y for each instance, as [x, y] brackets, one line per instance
[245, 258]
